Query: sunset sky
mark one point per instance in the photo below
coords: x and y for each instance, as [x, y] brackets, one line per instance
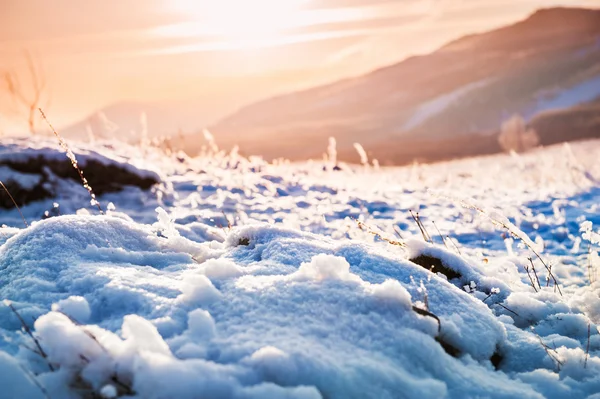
[219, 55]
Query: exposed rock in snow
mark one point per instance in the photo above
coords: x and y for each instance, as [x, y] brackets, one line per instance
[33, 169]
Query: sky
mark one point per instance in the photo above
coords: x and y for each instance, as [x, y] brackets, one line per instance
[218, 55]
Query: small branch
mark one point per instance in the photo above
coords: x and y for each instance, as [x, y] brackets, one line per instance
[548, 350]
[511, 311]
[530, 278]
[30, 333]
[369, 230]
[535, 273]
[454, 244]
[229, 225]
[418, 222]
[114, 378]
[424, 312]
[32, 378]
[440, 234]
[397, 231]
[587, 349]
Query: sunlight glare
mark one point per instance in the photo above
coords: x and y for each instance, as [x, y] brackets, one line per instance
[240, 20]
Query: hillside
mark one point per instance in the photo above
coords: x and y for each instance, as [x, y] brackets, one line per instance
[466, 89]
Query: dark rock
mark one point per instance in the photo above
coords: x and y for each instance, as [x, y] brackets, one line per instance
[435, 265]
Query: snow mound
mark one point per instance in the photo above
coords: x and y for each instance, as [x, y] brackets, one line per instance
[290, 314]
[240, 279]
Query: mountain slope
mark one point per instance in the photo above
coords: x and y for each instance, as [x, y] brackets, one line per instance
[466, 89]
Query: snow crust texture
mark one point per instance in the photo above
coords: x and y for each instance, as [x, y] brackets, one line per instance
[234, 278]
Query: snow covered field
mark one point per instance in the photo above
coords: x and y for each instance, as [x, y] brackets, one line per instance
[233, 278]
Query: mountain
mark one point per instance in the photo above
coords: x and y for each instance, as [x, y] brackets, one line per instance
[449, 103]
[125, 120]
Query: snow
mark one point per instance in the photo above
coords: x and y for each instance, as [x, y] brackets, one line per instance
[234, 278]
[578, 94]
[22, 150]
[76, 307]
[25, 180]
[438, 104]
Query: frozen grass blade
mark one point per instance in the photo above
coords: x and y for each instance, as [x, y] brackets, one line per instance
[28, 331]
[368, 229]
[513, 231]
[419, 223]
[73, 159]
[35, 381]
[440, 234]
[14, 203]
[587, 349]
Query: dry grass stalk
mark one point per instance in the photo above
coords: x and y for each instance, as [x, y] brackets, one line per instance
[73, 159]
[515, 234]
[28, 331]
[587, 349]
[421, 227]
[365, 227]
[15, 203]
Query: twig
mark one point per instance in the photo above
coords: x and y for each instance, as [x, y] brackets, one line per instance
[424, 228]
[587, 349]
[530, 278]
[511, 311]
[535, 273]
[14, 203]
[424, 312]
[32, 378]
[487, 297]
[227, 219]
[30, 333]
[397, 231]
[440, 234]
[454, 244]
[362, 225]
[114, 378]
[550, 355]
[418, 222]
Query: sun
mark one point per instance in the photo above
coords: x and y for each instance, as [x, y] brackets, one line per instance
[249, 21]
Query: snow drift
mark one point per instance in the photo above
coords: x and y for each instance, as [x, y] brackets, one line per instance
[240, 279]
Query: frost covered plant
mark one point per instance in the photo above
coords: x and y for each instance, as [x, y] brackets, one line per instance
[471, 287]
[592, 238]
[364, 159]
[332, 152]
[501, 221]
[212, 145]
[165, 226]
[73, 160]
[493, 291]
[588, 234]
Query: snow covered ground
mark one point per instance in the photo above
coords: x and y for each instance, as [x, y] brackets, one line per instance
[233, 278]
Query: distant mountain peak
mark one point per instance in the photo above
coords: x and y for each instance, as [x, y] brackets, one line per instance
[468, 87]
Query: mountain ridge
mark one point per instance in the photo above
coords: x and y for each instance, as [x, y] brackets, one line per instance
[462, 91]
[485, 78]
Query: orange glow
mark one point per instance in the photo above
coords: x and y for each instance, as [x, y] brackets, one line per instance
[246, 22]
[219, 55]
